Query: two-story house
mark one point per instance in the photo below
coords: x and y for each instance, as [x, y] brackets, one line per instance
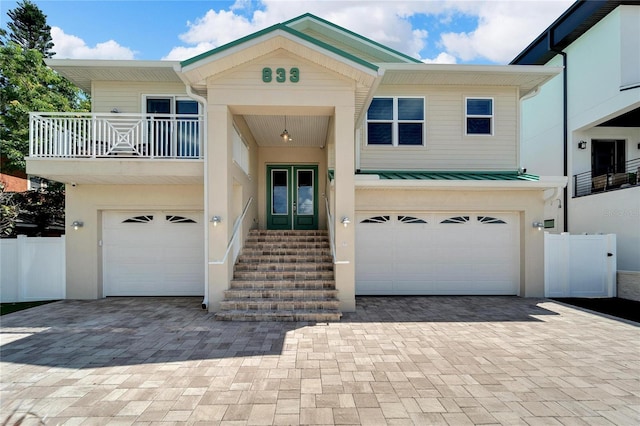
[282, 174]
[594, 107]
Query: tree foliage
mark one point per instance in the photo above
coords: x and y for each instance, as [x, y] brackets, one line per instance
[28, 28]
[27, 84]
[32, 213]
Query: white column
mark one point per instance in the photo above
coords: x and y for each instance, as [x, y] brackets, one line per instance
[345, 207]
[219, 189]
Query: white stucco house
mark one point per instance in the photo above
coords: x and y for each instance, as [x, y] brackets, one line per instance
[301, 135]
[585, 123]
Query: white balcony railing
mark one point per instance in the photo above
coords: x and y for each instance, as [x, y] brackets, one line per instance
[79, 135]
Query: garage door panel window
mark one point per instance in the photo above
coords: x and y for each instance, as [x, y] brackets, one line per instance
[456, 219]
[410, 219]
[179, 219]
[376, 219]
[490, 220]
[139, 219]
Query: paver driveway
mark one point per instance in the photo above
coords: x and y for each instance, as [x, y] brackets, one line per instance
[424, 360]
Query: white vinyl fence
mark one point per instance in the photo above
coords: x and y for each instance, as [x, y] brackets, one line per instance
[579, 265]
[32, 269]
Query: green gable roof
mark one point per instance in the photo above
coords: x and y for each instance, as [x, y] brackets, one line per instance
[308, 17]
[289, 27]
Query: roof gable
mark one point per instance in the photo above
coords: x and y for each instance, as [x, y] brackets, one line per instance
[322, 34]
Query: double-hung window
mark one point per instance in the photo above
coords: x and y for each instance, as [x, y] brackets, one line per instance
[479, 116]
[396, 121]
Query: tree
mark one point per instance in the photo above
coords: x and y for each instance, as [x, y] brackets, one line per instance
[28, 28]
[27, 84]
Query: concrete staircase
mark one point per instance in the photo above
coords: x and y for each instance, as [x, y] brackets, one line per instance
[283, 276]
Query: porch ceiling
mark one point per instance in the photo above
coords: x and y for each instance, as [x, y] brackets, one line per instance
[305, 131]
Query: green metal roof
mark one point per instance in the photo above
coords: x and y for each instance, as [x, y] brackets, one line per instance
[355, 36]
[287, 29]
[446, 175]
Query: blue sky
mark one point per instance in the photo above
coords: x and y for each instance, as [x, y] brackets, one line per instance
[450, 31]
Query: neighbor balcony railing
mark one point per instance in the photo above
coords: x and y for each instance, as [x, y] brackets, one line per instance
[628, 176]
[74, 135]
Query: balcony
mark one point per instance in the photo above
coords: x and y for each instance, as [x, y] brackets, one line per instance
[73, 135]
[628, 176]
[116, 148]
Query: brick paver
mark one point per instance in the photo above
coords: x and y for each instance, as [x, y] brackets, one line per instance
[421, 360]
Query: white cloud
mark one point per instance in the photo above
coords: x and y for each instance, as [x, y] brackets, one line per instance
[504, 27]
[67, 46]
[442, 58]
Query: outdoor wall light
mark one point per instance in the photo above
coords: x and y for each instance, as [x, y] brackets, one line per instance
[345, 221]
[538, 225]
[582, 144]
[77, 224]
[216, 220]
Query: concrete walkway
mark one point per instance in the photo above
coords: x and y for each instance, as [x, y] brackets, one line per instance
[424, 360]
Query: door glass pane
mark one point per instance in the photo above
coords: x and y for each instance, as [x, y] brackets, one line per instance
[279, 193]
[188, 130]
[305, 192]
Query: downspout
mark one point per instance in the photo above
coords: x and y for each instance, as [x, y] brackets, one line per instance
[565, 129]
[203, 102]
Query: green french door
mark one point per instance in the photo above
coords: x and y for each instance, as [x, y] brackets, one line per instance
[292, 197]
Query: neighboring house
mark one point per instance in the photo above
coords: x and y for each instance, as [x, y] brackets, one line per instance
[12, 181]
[598, 43]
[414, 168]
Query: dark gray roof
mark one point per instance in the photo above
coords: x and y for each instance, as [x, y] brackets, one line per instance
[575, 21]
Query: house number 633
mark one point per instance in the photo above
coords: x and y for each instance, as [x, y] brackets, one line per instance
[280, 75]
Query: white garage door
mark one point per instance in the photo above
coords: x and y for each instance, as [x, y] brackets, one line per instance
[437, 253]
[153, 253]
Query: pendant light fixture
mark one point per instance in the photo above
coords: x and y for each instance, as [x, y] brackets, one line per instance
[286, 137]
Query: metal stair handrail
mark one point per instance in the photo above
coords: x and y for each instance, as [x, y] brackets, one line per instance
[332, 241]
[234, 234]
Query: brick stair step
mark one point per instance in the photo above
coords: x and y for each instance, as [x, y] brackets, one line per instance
[284, 251]
[283, 275]
[279, 304]
[283, 284]
[283, 267]
[308, 316]
[269, 258]
[281, 293]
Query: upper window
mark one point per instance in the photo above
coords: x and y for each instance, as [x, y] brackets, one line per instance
[396, 122]
[479, 112]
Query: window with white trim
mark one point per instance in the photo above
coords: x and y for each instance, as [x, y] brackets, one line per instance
[240, 151]
[396, 121]
[479, 116]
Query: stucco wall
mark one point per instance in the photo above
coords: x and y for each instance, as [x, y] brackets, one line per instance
[87, 202]
[629, 285]
[616, 212]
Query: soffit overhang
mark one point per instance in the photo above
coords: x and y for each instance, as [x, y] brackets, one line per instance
[82, 72]
[527, 78]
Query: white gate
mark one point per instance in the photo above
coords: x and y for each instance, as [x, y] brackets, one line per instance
[579, 265]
